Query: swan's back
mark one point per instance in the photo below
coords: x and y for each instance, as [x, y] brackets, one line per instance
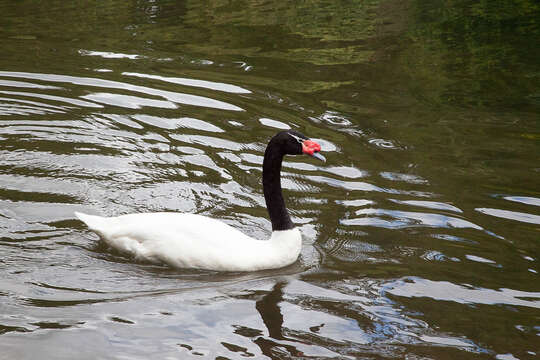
[194, 241]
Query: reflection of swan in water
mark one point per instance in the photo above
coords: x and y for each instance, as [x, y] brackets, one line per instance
[268, 308]
[270, 312]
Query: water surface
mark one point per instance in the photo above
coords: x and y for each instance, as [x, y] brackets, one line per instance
[420, 231]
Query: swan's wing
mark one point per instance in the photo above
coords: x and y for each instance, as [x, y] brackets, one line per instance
[182, 240]
[166, 227]
[194, 241]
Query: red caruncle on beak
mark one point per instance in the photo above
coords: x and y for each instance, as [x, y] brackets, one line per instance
[310, 147]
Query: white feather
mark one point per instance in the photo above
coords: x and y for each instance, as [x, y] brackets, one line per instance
[194, 241]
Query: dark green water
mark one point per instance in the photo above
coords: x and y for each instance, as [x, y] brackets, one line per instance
[421, 232]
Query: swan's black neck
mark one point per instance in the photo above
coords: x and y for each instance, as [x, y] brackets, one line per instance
[279, 216]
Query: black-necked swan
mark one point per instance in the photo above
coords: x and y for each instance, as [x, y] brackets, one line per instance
[194, 241]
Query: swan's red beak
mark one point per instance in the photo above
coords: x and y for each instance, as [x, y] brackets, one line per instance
[311, 148]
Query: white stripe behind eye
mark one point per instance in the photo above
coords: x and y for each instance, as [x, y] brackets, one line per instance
[300, 140]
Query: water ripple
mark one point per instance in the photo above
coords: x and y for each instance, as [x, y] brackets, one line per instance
[23, 84]
[76, 102]
[128, 101]
[185, 122]
[233, 89]
[447, 291]
[428, 204]
[176, 97]
[214, 142]
[479, 259]
[511, 215]
[109, 55]
[43, 106]
[524, 200]
[410, 178]
[362, 186]
[274, 124]
[401, 219]
[384, 144]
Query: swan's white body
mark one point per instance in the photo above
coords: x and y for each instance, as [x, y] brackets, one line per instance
[194, 241]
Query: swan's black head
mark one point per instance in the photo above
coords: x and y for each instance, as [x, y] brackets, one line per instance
[294, 143]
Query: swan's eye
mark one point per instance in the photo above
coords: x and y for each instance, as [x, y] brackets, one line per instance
[298, 139]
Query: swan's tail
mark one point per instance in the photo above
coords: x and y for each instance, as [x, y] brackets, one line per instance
[94, 223]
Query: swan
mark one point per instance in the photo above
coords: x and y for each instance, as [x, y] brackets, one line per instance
[185, 240]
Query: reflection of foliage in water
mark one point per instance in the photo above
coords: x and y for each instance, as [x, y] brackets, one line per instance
[317, 32]
[476, 52]
[462, 52]
[327, 20]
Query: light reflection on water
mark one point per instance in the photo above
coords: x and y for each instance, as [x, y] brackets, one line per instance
[118, 163]
[396, 237]
[119, 99]
[443, 290]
